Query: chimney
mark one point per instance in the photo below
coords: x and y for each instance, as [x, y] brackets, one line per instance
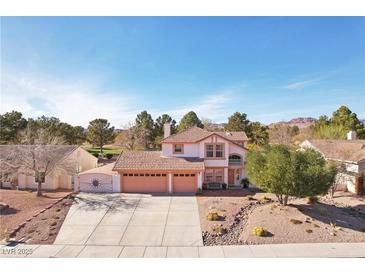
[166, 130]
[351, 135]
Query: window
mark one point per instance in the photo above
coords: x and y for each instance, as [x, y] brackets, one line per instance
[209, 151]
[219, 150]
[178, 148]
[214, 150]
[214, 175]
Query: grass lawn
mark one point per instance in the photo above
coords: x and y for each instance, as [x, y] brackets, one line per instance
[106, 150]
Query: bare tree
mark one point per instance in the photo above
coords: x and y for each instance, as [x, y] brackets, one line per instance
[40, 156]
[133, 137]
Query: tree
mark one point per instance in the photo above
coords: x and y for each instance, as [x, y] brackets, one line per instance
[145, 129]
[189, 120]
[345, 117]
[73, 135]
[282, 134]
[238, 122]
[258, 133]
[209, 125]
[100, 133]
[11, 124]
[287, 172]
[159, 128]
[342, 121]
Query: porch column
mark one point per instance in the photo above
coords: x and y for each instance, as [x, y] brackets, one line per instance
[200, 180]
[225, 177]
[117, 186]
[170, 182]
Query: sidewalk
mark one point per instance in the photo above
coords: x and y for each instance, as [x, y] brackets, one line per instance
[315, 250]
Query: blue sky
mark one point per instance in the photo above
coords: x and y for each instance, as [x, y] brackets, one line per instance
[272, 68]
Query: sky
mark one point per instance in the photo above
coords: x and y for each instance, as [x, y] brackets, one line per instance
[272, 68]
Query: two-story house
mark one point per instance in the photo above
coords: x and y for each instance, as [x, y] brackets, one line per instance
[188, 160]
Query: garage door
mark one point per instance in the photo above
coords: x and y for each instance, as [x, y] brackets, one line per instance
[184, 182]
[144, 182]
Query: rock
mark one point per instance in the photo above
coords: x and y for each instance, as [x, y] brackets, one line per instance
[3, 206]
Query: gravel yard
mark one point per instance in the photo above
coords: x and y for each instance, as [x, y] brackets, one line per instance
[22, 206]
[341, 219]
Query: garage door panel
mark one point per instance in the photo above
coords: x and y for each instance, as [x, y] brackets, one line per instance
[144, 184]
[185, 183]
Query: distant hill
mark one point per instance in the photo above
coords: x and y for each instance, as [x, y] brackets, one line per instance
[301, 122]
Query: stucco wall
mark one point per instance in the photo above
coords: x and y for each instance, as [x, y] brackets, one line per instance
[345, 182]
[86, 182]
[190, 150]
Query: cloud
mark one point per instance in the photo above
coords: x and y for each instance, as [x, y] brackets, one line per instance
[75, 102]
[301, 84]
[78, 102]
[214, 106]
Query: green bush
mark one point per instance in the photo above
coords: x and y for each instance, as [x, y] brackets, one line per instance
[199, 191]
[212, 216]
[259, 231]
[245, 183]
[295, 221]
[96, 154]
[109, 155]
[274, 168]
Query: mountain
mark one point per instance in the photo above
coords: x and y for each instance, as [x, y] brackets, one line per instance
[301, 122]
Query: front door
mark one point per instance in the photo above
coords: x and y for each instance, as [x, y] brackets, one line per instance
[231, 176]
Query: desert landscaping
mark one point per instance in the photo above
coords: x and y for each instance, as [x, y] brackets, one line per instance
[31, 219]
[337, 219]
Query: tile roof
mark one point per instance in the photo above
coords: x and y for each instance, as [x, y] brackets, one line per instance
[106, 169]
[155, 161]
[345, 150]
[195, 134]
[12, 153]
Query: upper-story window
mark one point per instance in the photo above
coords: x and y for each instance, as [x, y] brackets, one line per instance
[178, 148]
[214, 150]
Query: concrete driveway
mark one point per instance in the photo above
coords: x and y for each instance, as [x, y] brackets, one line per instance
[132, 220]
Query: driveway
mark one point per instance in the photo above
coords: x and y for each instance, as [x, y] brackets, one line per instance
[132, 220]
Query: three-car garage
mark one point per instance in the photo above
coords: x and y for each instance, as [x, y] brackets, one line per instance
[181, 182]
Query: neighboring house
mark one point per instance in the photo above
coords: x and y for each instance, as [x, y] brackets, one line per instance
[350, 152]
[188, 160]
[60, 175]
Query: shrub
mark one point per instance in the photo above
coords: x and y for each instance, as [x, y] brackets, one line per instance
[219, 229]
[259, 231]
[274, 168]
[96, 154]
[315, 225]
[199, 191]
[109, 155]
[245, 183]
[250, 198]
[54, 223]
[213, 216]
[295, 221]
[312, 199]
[309, 230]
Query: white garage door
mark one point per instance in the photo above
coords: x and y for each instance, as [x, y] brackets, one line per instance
[96, 182]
